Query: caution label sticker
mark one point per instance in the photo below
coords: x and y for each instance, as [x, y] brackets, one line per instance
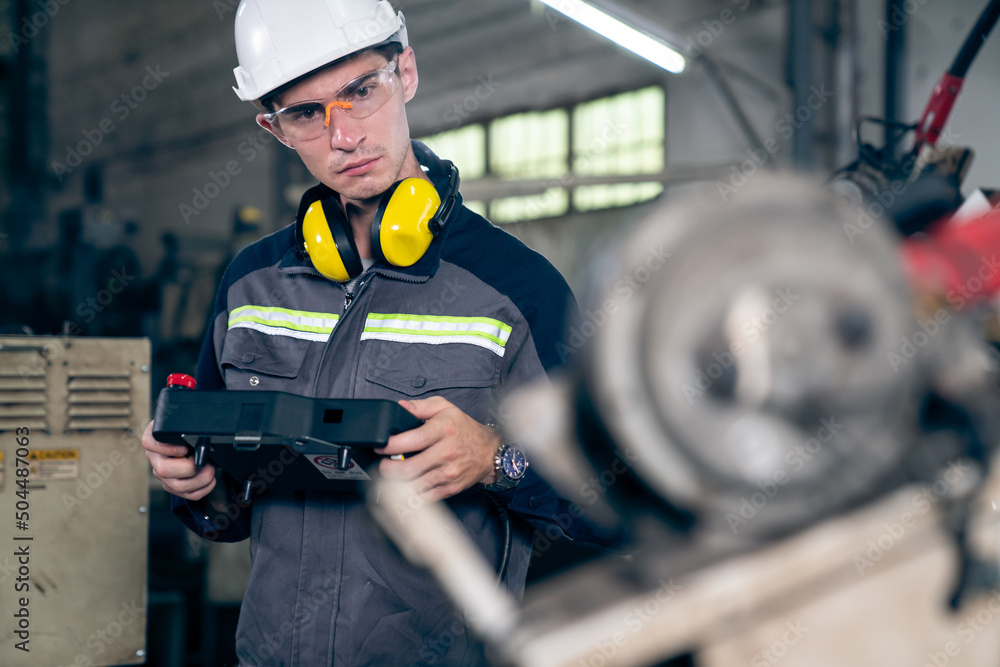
[327, 465]
[46, 464]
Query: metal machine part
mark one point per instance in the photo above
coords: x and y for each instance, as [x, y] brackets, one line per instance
[74, 528]
[753, 361]
[774, 413]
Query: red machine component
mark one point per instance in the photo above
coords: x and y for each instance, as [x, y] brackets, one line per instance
[959, 261]
[938, 109]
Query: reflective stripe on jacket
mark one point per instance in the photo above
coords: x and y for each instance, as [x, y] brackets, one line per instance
[478, 314]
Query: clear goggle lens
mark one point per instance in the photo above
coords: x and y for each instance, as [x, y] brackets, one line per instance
[360, 98]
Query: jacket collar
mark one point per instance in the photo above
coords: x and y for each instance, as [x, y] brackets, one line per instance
[296, 261]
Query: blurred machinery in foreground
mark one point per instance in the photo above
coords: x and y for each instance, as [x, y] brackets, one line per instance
[790, 400]
[796, 434]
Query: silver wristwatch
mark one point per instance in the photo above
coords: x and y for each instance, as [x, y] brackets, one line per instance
[510, 464]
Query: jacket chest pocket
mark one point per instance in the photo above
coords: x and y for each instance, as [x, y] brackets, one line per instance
[464, 374]
[254, 360]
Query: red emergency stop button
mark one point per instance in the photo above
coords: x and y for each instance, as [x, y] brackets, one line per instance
[181, 380]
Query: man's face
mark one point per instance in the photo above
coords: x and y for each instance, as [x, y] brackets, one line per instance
[359, 158]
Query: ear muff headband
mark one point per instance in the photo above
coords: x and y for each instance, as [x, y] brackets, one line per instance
[328, 243]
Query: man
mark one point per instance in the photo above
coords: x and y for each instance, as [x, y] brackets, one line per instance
[474, 315]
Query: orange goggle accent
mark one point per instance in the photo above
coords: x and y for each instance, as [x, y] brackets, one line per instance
[329, 107]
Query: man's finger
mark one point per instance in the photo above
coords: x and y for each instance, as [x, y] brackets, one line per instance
[427, 407]
[411, 467]
[204, 479]
[192, 494]
[164, 448]
[149, 443]
[167, 467]
[414, 440]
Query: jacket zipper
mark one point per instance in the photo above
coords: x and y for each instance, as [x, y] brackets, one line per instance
[350, 296]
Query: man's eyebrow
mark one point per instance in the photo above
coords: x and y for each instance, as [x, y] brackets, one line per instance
[354, 79]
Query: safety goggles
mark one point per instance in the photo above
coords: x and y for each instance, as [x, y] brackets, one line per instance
[359, 98]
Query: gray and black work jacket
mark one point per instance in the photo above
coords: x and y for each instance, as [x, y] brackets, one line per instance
[325, 587]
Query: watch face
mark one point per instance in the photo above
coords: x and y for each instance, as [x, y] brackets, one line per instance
[513, 463]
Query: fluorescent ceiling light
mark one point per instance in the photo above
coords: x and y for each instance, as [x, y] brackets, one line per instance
[613, 28]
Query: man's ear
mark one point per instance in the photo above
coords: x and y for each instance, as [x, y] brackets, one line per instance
[267, 126]
[408, 73]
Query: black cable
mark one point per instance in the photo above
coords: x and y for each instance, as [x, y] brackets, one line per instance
[507, 541]
[975, 40]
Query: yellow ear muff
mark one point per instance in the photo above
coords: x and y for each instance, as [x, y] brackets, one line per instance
[401, 231]
[319, 243]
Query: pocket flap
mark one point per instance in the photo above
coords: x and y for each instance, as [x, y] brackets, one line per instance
[414, 369]
[251, 350]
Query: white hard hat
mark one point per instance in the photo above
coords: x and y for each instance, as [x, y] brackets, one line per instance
[277, 41]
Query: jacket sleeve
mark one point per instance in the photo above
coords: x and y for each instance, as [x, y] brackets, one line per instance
[233, 525]
[549, 315]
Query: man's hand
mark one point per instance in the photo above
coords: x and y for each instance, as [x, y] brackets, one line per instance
[450, 452]
[175, 470]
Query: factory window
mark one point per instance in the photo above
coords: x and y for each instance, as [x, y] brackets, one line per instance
[529, 145]
[618, 136]
[612, 137]
[466, 147]
[533, 145]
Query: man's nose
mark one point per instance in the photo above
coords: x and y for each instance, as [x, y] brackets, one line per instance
[345, 132]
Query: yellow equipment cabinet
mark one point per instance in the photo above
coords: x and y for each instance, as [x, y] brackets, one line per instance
[74, 497]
